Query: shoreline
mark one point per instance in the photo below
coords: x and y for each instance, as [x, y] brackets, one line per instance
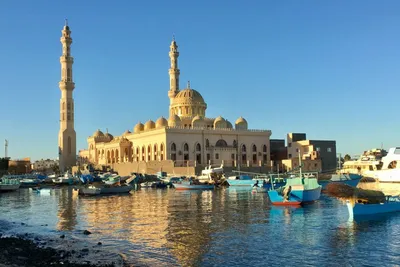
[28, 249]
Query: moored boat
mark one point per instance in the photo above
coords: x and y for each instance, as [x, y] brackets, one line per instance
[281, 198]
[9, 184]
[391, 204]
[349, 179]
[183, 186]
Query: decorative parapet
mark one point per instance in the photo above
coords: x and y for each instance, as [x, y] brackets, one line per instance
[218, 129]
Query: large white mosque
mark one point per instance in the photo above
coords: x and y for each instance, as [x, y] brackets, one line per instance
[187, 138]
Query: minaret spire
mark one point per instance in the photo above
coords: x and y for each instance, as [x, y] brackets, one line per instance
[67, 135]
[173, 73]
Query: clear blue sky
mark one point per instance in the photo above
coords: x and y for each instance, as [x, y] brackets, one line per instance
[327, 68]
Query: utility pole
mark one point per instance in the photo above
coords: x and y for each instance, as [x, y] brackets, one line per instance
[6, 148]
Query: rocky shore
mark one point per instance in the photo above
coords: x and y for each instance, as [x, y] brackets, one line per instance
[26, 250]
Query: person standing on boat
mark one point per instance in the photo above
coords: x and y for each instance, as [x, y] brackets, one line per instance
[256, 184]
[286, 193]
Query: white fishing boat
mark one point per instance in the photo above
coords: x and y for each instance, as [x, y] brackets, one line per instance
[66, 179]
[209, 173]
[9, 184]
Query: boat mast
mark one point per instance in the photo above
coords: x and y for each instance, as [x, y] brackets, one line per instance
[300, 162]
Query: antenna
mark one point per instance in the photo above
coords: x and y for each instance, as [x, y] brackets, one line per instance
[6, 148]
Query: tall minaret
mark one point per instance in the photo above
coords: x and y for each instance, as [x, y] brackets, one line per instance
[173, 74]
[67, 135]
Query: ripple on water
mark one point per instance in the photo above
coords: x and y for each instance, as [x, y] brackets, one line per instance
[230, 227]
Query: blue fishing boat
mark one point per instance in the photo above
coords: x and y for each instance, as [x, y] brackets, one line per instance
[391, 204]
[243, 180]
[279, 198]
[311, 191]
[349, 179]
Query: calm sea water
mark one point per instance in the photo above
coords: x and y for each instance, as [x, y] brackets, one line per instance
[227, 227]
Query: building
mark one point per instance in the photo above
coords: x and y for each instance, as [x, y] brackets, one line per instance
[323, 150]
[19, 166]
[278, 152]
[67, 135]
[44, 165]
[188, 138]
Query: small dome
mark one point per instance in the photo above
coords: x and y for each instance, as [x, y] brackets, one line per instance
[149, 125]
[174, 120]
[229, 124]
[241, 124]
[108, 135]
[127, 132]
[98, 133]
[198, 122]
[161, 122]
[220, 122]
[138, 127]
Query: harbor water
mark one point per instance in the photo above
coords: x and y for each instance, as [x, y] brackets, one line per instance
[224, 227]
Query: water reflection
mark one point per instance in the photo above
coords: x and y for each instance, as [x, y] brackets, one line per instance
[67, 218]
[230, 227]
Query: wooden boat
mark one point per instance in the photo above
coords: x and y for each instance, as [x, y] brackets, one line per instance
[9, 184]
[277, 197]
[349, 179]
[188, 186]
[89, 191]
[391, 204]
[92, 190]
[310, 192]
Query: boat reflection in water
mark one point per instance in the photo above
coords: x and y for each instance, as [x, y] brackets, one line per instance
[228, 227]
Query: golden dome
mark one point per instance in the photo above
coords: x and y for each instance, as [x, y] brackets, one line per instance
[229, 124]
[241, 124]
[138, 127]
[174, 120]
[161, 122]
[189, 95]
[149, 125]
[126, 132]
[220, 122]
[98, 133]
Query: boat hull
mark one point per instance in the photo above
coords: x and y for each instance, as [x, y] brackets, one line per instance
[278, 200]
[238, 182]
[372, 209]
[353, 181]
[193, 187]
[9, 187]
[116, 189]
[307, 195]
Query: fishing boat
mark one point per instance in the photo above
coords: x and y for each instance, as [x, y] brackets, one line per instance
[189, 185]
[349, 179]
[243, 180]
[209, 173]
[93, 190]
[67, 179]
[280, 199]
[391, 204]
[9, 184]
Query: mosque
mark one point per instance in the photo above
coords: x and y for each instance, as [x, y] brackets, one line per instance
[187, 138]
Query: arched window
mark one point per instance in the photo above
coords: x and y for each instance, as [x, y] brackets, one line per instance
[155, 148]
[185, 147]
[148, 149]
[162, 147]
[221, 143]
[234, 143]
[207, 143]
[173, 147]
[243, 148]
[198, 147]
[137, 151]
[254, 148]
[264, 148]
